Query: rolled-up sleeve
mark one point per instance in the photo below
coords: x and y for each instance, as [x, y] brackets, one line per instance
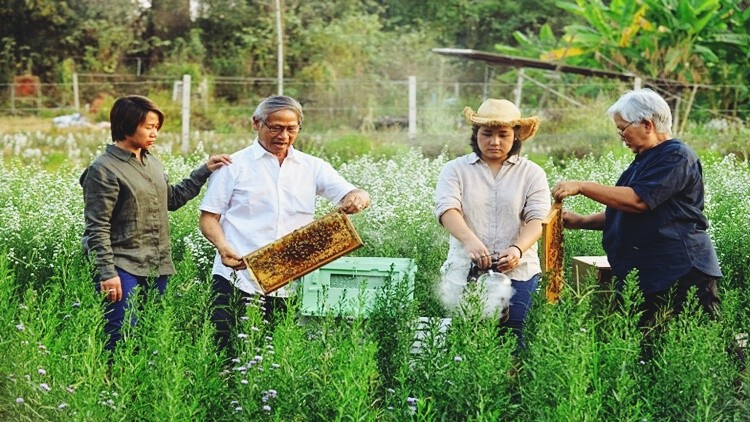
[447, 191]
[538, 196]
[330, 184]
[219, 192]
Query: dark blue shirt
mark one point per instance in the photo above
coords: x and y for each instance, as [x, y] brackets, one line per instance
[667, 241]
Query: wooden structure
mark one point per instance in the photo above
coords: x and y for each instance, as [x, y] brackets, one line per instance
[552, 252]
[301, 251]
[668, 87]
[521, 62]
[583, 266]
[25, 88]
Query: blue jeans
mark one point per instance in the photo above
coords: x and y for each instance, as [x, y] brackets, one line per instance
[114, 312]
[519, 307]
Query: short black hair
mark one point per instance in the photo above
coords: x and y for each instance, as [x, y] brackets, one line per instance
[128, 113]
[514, 150]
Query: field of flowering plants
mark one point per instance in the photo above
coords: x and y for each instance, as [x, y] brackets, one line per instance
[583, 360]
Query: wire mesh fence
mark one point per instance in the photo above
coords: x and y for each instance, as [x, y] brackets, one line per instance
[572, 108]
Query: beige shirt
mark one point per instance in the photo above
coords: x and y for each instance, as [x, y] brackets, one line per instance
[494, 208]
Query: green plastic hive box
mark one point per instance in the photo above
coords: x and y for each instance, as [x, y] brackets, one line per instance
[349, 285]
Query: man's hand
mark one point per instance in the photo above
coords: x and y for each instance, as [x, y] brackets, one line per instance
[354, 201]
[232, 259]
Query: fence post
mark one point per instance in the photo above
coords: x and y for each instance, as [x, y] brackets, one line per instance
[13, 98]
[185, 114]
[76, 98]
[279, 50]
[412, 107]
[203, 91]
[485, 85]
[637, 83]
[519, 87]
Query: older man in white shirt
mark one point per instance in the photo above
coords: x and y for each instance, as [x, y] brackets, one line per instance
[268, 192]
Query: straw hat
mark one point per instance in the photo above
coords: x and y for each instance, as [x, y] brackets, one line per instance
[494, 112]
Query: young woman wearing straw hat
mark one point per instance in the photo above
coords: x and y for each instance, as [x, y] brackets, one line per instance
[492, 202]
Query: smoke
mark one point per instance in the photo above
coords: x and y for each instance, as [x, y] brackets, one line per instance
[492, 289]
[496, 292]
[450, 289]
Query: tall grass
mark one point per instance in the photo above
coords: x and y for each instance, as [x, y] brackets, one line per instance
[584, 359]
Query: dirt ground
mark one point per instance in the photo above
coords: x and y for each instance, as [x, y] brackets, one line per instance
[11, 124]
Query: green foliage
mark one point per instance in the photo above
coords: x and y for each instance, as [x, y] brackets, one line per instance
[57, 344]
[106, 54]
[691, 374]
[471, 24]
[169, 353]
[391, 323]
[346, 148]
[184, 58]
[8, 296]
[690, 41]
[238, 36]
[728, 209]
[26, 51]
[583, 360]
[468, 375]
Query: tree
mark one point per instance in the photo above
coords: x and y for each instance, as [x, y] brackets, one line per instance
[238, 36]
[659, 39]
[168, 21]
[689, 41]
[26, 32]
[477, 24]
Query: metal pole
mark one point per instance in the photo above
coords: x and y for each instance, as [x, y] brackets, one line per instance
[76, 98]
[412, 107]
[185, 114]
[279, 49]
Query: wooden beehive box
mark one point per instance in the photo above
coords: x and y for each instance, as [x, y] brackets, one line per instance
[302, 251]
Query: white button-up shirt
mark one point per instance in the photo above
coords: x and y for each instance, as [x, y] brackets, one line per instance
[260, 201]
[494, 208]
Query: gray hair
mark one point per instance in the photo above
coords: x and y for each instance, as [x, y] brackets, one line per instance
[280, 102]
[643, 104]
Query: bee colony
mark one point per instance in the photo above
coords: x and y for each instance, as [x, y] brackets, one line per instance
[552, 251]
[302, 251]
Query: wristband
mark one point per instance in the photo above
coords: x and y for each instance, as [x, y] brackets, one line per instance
[519, 250]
